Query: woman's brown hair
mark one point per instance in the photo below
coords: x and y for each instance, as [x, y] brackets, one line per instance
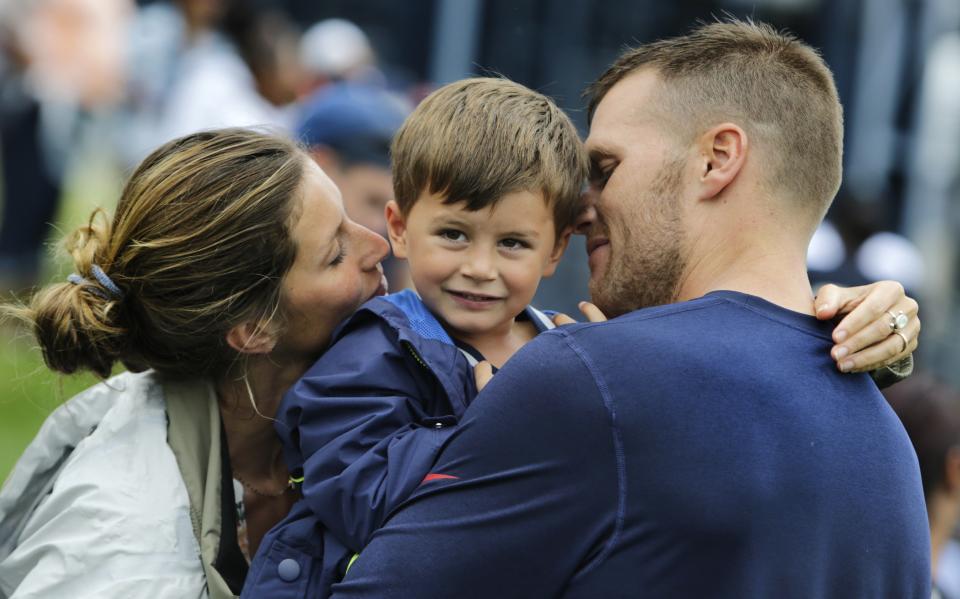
[199, 243]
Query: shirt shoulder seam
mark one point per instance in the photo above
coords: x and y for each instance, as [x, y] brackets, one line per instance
[619, 453]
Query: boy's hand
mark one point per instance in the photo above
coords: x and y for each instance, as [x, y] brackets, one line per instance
[865, 338]
[482, 372]
[592, 313]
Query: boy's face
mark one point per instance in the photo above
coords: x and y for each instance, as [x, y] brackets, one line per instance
[476, 270]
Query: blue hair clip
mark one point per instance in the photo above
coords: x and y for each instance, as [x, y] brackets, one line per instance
[106, 282]
[109, 289]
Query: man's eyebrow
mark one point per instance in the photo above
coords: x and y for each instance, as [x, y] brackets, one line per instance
[599, 153]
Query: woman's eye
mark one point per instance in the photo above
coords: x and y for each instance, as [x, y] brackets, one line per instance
[339, 257]
[452, 235]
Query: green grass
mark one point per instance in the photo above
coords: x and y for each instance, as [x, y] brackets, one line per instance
[28, 390]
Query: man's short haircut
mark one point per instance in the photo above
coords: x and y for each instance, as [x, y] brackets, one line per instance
[476, 140]
[773, 85]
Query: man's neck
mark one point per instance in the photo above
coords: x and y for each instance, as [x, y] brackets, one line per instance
[772, 267]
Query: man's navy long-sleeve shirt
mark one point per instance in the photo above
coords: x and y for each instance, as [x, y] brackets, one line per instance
[703, 449]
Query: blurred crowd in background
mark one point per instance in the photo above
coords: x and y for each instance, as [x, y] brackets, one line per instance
[88, 83]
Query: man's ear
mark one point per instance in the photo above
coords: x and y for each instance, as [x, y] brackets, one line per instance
[723, 154]
[250, 338]
[558, 248]
[396, 228]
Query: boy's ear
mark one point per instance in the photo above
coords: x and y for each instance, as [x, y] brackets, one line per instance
[249, 338]
[558, 248]
[396, 229]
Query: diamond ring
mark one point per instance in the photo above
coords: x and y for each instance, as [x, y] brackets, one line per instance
[898, 321]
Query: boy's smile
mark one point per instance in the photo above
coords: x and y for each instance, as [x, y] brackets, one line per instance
[476, 271]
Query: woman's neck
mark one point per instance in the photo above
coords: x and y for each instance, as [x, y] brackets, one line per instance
[248, 404]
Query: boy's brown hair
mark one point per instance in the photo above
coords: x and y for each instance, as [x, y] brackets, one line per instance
[775, 86]
[476, 140]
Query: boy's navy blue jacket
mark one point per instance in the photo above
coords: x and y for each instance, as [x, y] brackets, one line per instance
[364, 426]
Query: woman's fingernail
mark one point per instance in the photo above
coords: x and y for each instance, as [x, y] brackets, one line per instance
[842, 352]
[840, 335]
[823, 308]
[846, 366]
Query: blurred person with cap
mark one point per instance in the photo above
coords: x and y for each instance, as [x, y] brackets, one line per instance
[347, 128]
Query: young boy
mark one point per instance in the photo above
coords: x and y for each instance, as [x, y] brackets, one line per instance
[487, 175]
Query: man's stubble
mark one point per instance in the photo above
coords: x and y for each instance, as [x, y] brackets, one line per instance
[647, 264]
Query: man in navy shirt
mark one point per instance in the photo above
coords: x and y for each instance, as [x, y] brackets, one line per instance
[707, 447]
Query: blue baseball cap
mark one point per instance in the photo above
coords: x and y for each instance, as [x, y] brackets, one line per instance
[356, 120]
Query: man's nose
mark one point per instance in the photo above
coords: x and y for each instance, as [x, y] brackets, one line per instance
[588, 215]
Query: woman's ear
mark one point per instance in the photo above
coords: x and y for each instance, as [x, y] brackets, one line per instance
[251, 338]
[396, 229]
[723, 153]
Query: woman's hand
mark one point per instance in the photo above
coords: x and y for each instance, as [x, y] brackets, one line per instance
[865, 338]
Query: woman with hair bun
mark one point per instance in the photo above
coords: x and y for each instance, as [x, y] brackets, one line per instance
[220, 279]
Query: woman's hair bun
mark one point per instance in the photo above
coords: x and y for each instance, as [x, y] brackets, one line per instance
[75, 321]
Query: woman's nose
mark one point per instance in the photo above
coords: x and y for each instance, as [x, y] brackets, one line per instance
[375, 248]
